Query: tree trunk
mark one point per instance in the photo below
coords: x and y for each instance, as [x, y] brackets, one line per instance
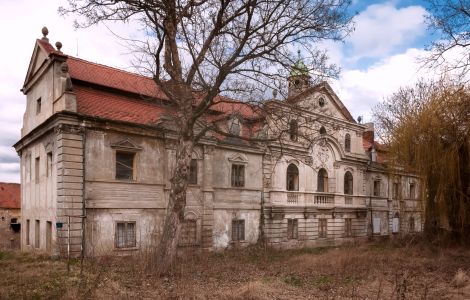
[167, 249]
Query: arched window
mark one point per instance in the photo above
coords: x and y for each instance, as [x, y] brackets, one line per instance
[348, 183]
[322, 130]
[292, 182]
[293, 130]
[347, 143]
[322, 181]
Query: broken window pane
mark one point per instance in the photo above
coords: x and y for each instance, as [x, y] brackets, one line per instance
[238, 175]
[124, 165]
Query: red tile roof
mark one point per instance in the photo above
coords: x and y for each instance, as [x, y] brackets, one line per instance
[10, 195]
[114, 78]
[116, 106]
[113, 106]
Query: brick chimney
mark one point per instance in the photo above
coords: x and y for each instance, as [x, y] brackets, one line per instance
[368, 133]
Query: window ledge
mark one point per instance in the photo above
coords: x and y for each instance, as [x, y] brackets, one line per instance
[127, 249]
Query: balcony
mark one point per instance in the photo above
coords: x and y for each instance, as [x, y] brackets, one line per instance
[294, 198]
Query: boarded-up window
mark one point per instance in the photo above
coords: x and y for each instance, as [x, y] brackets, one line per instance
[292, 229]
[188, 235]
[125, 165]
[193, 172]
[238, 175]
[348, 227]
[376, 188]
[376, 223]
[347, 143]
[37, 234]
[125, 235]
[28, 231]
[322, 228]
[238, 230]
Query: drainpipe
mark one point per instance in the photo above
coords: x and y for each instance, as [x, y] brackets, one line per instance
[82, 252]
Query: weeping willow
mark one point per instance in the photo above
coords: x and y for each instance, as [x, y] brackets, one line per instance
[427, 130]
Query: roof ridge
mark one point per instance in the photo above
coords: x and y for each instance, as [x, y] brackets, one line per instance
[110, 67]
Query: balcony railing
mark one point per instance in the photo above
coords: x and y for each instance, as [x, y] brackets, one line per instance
[324, 199]
[295, 198]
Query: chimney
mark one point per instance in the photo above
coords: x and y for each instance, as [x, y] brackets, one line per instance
[368, 133]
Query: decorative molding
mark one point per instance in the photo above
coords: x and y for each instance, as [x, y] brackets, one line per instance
[349, 169]
[238, 158]
[66, 128]
[126, 144]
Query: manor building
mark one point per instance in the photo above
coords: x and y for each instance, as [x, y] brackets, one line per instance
[97, 149]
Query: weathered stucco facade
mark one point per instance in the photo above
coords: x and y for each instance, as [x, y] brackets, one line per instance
[96, 157]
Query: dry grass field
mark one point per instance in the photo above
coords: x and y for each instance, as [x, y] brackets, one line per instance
[386, 270]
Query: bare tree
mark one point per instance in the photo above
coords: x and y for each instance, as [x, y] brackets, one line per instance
[197, 50]
[449, 20]
[428, 130]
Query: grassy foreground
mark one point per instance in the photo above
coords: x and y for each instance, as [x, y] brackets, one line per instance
[368, 271]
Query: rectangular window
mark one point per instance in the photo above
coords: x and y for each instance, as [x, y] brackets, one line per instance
[322, 228]
[37, 234]
[48, 236]
[292, 229]
[376, 225]
[125, 235]
[125, 165]
[38, 106]
[412, 224]
[348, 227]
[28, 228]
[193, 172]
[49, 164]
[395, 190]
[376, 188]
[36, 169]
[188, 233]
[238, 175]
[412, 191]
[238, 230]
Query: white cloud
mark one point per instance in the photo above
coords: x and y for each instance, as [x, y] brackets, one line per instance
[22, 21]
[382, 28]
[360, 90]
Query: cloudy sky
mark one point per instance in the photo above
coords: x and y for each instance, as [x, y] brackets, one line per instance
[380, 56]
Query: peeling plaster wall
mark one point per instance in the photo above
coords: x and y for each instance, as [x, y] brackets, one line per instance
[223, 227]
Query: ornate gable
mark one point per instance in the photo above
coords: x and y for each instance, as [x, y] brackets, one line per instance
[322, 99]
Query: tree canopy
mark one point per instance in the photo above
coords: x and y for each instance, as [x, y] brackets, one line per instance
[427, 129]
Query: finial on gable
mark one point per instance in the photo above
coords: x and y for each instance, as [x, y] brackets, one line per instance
[58, 45]
[45, 32]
